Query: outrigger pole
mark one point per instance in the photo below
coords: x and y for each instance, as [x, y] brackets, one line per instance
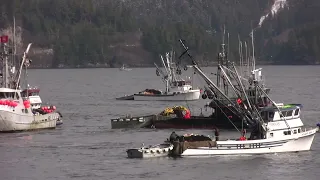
[209, 82]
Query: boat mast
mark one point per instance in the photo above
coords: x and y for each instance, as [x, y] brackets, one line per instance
[222, 60]
[24, 59]
[167, 77]
[14, 42]
[253, 57]
[5, 68]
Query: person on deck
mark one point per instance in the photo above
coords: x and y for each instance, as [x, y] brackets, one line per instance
[216, 133]
[187, 115]
[243, 137]
[173, 136]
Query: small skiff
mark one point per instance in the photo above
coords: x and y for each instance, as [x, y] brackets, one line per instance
[159, 150]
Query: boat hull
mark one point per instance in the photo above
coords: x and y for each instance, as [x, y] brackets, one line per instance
[301, 142]
[132, 122]
[161, 150]
[10, 121]
[127, 97]
[183, 96]
[167, 122]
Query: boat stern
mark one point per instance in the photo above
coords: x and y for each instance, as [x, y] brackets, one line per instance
[135, 153]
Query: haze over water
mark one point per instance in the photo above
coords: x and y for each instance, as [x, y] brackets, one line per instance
[86, 148]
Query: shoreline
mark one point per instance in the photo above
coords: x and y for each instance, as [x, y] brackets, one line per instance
[211, 65]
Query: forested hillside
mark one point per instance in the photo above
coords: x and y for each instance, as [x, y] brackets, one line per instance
[104, 33]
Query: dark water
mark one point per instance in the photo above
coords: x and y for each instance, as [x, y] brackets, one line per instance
[86, 148]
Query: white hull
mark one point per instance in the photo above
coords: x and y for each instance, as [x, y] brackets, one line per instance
[161, 150]
[300, 142]
[11, 121]
[182, 96]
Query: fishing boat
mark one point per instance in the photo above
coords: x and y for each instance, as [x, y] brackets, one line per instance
[177, 88]
[16, 113]
[282, 131]
[123, 68]
[275, 127]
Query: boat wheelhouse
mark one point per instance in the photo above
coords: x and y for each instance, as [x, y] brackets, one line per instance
[34, 97]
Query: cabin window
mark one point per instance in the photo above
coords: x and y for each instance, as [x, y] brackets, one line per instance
[287, 132]
[289, 113]
[13, 95]
[299, 130]
[271, 115]
[295, 131]
[33, 93]
[296, 112]
[271, 134]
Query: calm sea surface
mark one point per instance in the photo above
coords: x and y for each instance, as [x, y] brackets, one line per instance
[86, 148]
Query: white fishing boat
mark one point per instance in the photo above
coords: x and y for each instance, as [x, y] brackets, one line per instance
[159, 150]
[16, 113]
[179, 91]
[275, 128]
[177, 88]
[123, 68]
[281, 134]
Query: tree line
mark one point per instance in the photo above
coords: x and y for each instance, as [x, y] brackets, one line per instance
[112, 32]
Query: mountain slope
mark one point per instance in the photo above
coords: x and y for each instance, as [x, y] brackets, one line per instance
[135, 32]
